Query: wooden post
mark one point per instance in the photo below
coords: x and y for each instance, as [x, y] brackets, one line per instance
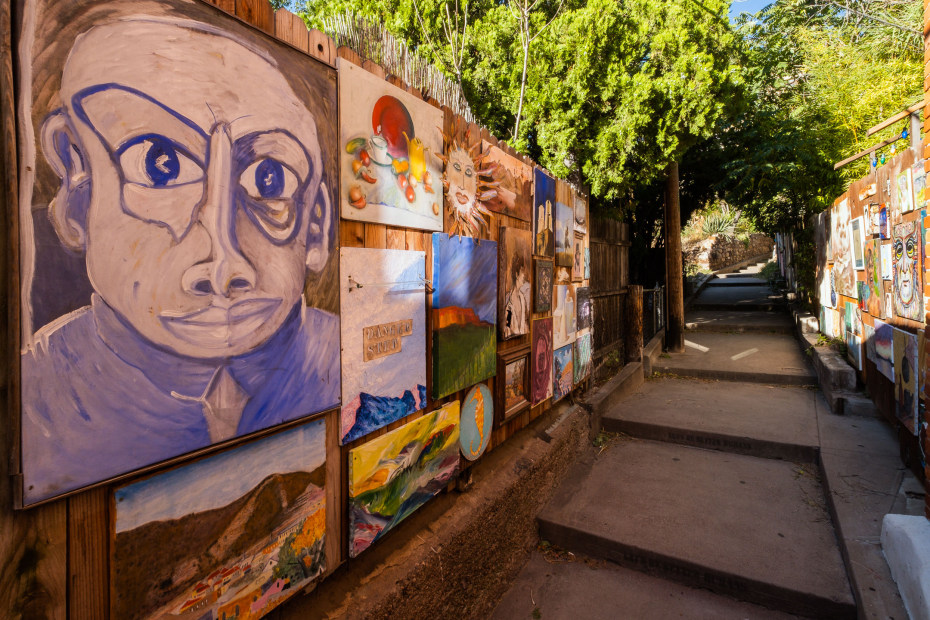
[633, 347]
[673, 269]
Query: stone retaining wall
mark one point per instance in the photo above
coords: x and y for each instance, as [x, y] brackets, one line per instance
[719, 252]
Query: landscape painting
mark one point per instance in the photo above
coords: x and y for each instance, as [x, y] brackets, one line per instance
[581, 364]
[542, 286]
[564, 235]
[516, 255]
[905, 378]
[383, 300]
[464, 315]
[906, 264]
[563, 315]
[513, 383]
[230, 535]
[541, 357]
[543, 207]
[154, 320]
[515, 192]
[393, 475]
[389, 141]
[583, 300]
[562, 372]
[884, 349]
[476, 422]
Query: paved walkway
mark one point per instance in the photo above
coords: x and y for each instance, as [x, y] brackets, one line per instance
[726, 489]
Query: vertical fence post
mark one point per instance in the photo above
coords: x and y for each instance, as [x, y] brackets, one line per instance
[673, 267]
[633, 347]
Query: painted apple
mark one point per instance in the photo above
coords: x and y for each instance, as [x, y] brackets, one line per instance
[391, 120]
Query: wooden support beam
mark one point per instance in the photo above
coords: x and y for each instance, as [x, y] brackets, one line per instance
[897, 117]
[673, 267]
[861, 154]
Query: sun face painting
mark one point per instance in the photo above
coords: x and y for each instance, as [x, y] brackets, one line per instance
[190, 542]
[464, 312]
[393, 475]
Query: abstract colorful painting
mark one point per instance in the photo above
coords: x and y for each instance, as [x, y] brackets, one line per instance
[873, 280]
[388, 141]
[884, 349]
[542, 360]
[383, 338]
[906, 259]
[515, 192]
[587, 262]
[578, 258]
[477, 420]
[562, 372]
[513, 383]
[564, 235]
[841, 236]
[581, 214]
[564, 320]
[581, 364]
[583, 300]
[544, 205]
[241, 530]
[464, 315]
[393, 475]
[513, 304]
[179, 273]
[542, 286]
[905, 378]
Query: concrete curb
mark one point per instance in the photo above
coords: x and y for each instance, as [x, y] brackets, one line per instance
[736, 375]
[652, 351]
[697, 290]
[906, 543]
[602, 399]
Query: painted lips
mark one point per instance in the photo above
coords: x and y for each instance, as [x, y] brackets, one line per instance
[219, 327]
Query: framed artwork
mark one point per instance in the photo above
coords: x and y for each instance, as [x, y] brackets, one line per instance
[466, 185]
[513, 304]
[383, 302]
[905, 378]
[388, 142]
[873, 280]
[854, 349]
[563, 315]
[581, 213]
[858, 241]
[394, 474]
[190, 543]
[919, 178]
[513, 383]
[544, 205]
[578, 258]
[464, 312]
[587, 263]
[563, 375]
[583, 300]
[906, 261]
[905, 190]
[884, 349]
[542, 286]
[886, 262]
[477, 420]
[542, 360]
[564, 235]
[581, 364]
[515, 192]
[842, 239]
[884, 230]
[156, 322]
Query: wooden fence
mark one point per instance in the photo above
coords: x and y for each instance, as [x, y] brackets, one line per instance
[610, 279]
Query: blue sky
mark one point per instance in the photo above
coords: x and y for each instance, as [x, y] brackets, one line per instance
[468, 275]
[747, 6]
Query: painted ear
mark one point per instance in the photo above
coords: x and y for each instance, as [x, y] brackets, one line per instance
[68, 210]
[321, 222]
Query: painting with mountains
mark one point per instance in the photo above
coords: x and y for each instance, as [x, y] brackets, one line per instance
[232, 535]
[464, 312]
[393, 475]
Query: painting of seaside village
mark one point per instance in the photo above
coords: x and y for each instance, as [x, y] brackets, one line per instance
[393, 475]
[230, 536]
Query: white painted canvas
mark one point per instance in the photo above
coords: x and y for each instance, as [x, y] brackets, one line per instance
[563, 315]
[388, 142]
[886, 262]
[383, 299]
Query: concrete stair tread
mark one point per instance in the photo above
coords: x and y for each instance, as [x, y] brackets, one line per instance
[756, 529]
[740, 321]
[760, 358]
[759, 420]
[579, 587]
[744, 281]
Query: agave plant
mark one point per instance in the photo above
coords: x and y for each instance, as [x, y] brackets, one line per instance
[722, 223]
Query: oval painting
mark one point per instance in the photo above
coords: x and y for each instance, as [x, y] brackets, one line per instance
[476, 421]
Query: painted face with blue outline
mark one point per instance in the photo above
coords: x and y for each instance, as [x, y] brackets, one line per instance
[205, 207]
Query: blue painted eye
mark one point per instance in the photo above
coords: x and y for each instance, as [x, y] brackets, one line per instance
[269, 178]
[158, 162]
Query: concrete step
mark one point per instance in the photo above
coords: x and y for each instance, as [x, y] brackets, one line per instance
[738, 298]
[739, 321]
[744, 281]
[756, 358]
[754, 529]
[756, 420]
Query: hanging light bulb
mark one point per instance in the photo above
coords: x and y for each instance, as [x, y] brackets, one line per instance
[904, 134]
[893, 149]
[882, 159]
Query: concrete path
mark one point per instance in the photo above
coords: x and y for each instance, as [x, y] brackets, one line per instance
[741, 482]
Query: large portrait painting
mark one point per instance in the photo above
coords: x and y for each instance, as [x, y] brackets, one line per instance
[515, 192]
[179, 283]
[844, 271]
[906, 263]
[542, 286]
[464, 312]
[541, 359]
[389, 142]
[383, 338]
[191, 543]
[564, 317]
[516, 255]
[543, 212]
[564, 235]
[393, 475]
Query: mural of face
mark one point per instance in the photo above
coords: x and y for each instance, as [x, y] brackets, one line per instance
[466, 188]
[906, 258]
[196, 201]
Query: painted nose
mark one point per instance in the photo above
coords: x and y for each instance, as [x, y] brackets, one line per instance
[227, 272]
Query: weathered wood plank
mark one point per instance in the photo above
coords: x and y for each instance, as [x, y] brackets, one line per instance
[322, 47]
[352, 234]
[227, 5]
[89, 554]
[291, 29]
[375, 236]
[396, 238]
[256, 12]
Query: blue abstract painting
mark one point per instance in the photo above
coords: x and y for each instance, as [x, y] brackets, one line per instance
[543, 211]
